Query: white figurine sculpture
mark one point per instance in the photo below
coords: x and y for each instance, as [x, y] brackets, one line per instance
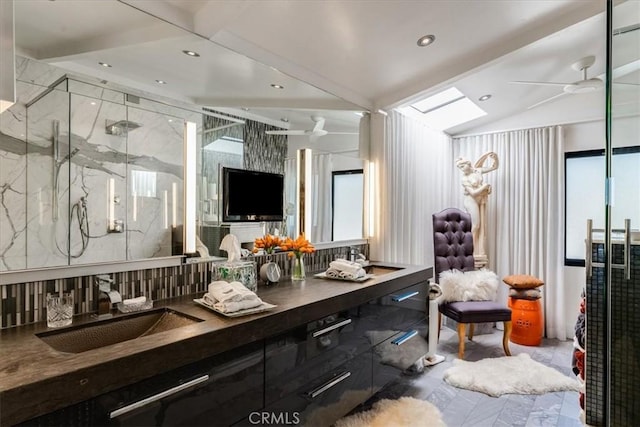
[475, 201]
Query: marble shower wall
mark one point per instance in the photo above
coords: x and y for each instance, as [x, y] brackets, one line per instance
[144, 165]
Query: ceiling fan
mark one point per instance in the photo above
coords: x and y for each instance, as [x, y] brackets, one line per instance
[314, 134]
[585, 85]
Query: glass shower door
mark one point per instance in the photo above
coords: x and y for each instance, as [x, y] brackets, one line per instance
[48, 158]
[622, 270]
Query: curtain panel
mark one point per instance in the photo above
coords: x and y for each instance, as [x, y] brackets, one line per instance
[413, 180]
[525, 212]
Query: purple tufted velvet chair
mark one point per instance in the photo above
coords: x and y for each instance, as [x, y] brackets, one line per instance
[453, 249]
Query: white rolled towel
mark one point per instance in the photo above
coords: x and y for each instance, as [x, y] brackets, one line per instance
[332, 273]
[353, 276]
[134, 301]
[346, 266]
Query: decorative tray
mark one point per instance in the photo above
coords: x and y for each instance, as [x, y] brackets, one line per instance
[264, 307]
[323, 275]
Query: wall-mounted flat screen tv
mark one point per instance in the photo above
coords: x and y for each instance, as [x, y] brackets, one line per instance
[251, 196]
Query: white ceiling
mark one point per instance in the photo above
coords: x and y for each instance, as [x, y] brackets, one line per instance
[351, 55]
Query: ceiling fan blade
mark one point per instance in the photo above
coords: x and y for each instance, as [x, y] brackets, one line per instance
[626, 84]
[547, 100]
[286, 132]
[342, 133]
[319, 123]
[521, 82]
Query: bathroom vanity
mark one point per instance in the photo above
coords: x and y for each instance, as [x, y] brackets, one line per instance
[327, 347]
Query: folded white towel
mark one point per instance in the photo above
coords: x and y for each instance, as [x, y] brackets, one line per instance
[344, 265]
[231, 306]
[225, 292]
[229, 297]
[134, 301]
[352, 276]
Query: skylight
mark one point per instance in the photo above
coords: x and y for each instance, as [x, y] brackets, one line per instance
[447, 109]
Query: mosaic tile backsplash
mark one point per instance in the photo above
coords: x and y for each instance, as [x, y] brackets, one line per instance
[24, 303]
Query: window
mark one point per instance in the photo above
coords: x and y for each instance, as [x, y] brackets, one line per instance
[348, 188]
[446, 109]
[585, 192]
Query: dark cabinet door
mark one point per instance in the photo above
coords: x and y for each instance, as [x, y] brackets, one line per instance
[303, 354]
[219, 391]
[324, 400]
[399, 353]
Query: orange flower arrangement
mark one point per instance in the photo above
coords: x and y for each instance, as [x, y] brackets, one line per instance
[268, 243]
[298, 247]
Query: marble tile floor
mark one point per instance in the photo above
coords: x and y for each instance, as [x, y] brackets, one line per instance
[465, 408]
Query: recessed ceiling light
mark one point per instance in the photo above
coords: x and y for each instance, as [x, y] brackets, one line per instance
[170, 120]
[104, 64]
[93, 103]
[426, 40]
[245, 109]
[284, 119]
[484, 97]
[275, 86]
[161, 82]
[191, 53]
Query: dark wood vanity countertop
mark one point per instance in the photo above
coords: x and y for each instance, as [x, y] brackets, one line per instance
[35, 379]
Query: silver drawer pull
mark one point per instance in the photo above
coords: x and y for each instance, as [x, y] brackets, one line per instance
[405, 337]
[401, 298]
[330, 328]
[156, 397]
[318, 391]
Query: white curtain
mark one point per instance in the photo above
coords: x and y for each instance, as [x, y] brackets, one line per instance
[413, 176]
[321, 215]
[525, 212]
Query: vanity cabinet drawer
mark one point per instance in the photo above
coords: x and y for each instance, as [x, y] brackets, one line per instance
[219, 390]
[395, 312]
[306, 353]
[399, 353]
[326, 399]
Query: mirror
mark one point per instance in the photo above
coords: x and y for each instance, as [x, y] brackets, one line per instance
[110, 50]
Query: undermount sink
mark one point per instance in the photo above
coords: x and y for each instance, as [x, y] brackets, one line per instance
[379, 270]
[77, 339]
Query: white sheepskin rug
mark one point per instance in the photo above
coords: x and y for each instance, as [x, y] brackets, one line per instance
[508, 375]
[404, 412]
[478, 285]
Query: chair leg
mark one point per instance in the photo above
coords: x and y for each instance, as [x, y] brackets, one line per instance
[461, 338]
[505, 337]
[472, 327]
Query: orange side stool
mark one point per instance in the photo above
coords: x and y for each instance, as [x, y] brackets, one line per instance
[526, 321]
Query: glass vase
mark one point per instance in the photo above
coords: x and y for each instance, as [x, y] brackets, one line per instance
[297, 267]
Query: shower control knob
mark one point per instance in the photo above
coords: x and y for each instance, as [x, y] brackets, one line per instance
[117, 227]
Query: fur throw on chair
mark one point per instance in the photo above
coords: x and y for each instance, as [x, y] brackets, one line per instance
[478, 285]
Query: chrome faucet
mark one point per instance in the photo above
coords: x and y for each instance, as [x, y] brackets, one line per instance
[353, 253]
[107, 296]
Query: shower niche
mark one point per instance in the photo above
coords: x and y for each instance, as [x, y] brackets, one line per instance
[103, 181]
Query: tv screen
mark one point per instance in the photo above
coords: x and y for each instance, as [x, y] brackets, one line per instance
[252, 196]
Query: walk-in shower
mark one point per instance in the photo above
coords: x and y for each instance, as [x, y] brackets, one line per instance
[83, 159]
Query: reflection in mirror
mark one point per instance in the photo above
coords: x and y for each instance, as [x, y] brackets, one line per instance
[118, 158]
[222, 145]
[337, 209]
